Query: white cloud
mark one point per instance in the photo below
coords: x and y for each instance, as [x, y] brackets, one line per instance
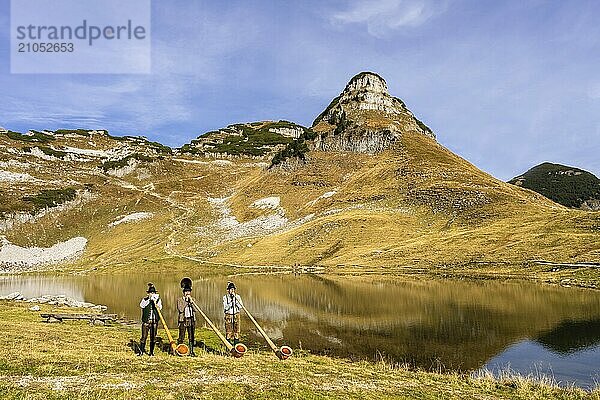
[134, 104]
[385, 16]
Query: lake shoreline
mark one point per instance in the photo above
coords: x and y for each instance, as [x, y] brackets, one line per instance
[98, 364]
[577, 275]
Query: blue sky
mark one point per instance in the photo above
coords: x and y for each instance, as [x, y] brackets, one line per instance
[504, 84]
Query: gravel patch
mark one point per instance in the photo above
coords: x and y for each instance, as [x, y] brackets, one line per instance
[17, 257]
[7, 176]
[267, 202]
[132, 218]
[229, 226]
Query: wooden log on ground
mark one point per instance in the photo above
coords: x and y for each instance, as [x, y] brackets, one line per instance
[98, 319]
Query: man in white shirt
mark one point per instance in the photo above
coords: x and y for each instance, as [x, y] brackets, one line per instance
[149, 304]
[232, 305]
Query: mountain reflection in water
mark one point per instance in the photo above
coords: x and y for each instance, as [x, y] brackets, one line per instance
[430, 324]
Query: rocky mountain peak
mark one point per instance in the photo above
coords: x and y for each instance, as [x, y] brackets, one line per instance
[369, 91]
[365, 118]
[367, 81]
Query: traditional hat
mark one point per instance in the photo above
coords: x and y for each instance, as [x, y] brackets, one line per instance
[230, 285]
[151, 288]
[186, 284]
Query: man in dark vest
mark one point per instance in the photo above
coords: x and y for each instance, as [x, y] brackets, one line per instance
[149, 304]
[232, 305]
[187, 316]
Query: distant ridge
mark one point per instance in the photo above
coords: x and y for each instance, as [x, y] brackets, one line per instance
[569, 186]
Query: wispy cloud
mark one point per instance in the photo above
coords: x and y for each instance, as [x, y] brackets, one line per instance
[382, 17]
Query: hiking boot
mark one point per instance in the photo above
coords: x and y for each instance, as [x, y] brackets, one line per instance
[192, 354]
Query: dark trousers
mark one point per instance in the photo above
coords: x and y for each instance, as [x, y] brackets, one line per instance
[187, 325]
[152, 328]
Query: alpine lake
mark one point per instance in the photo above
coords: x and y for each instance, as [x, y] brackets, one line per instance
[532, 329]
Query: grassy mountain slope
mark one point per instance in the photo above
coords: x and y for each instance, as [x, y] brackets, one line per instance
[415, 202]
[111, 370]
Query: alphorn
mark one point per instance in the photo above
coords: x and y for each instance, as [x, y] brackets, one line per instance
[180, 349]
[283, 352]
[239, 349]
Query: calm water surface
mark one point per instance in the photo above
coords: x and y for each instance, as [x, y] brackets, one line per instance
[529, 328]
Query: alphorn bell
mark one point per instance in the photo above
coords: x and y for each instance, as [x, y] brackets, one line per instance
[179, 349]
[283, 353]
[236, 351]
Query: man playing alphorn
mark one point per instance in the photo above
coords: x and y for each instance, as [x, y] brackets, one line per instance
[149, 318]
[187, 316]
[232, 304]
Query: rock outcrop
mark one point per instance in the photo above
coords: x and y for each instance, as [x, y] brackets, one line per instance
[365, 118]
[54, 300]
[256, 140]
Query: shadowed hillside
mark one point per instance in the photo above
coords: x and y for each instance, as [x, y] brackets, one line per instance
[569, 186]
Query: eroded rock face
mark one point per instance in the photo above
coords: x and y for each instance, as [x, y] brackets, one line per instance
[370, 92]
[292, 132]
[365, 118]
[591, 205]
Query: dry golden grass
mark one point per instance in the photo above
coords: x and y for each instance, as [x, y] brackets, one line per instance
[416, 204]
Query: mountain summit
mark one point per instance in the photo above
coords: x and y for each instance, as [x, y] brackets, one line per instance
[365, 118]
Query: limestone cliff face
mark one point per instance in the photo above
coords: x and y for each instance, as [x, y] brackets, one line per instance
[365, 118]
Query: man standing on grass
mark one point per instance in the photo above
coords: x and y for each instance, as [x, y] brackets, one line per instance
[149, 304]
[232, 304]
[187, 316]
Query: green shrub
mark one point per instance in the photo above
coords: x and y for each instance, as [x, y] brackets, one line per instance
[297, 148]
[81, 132]
[50, 198]
[423, 126]
[160, 148]
[326, 111]
[250, 139]
[35, 137]
[48, 151]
